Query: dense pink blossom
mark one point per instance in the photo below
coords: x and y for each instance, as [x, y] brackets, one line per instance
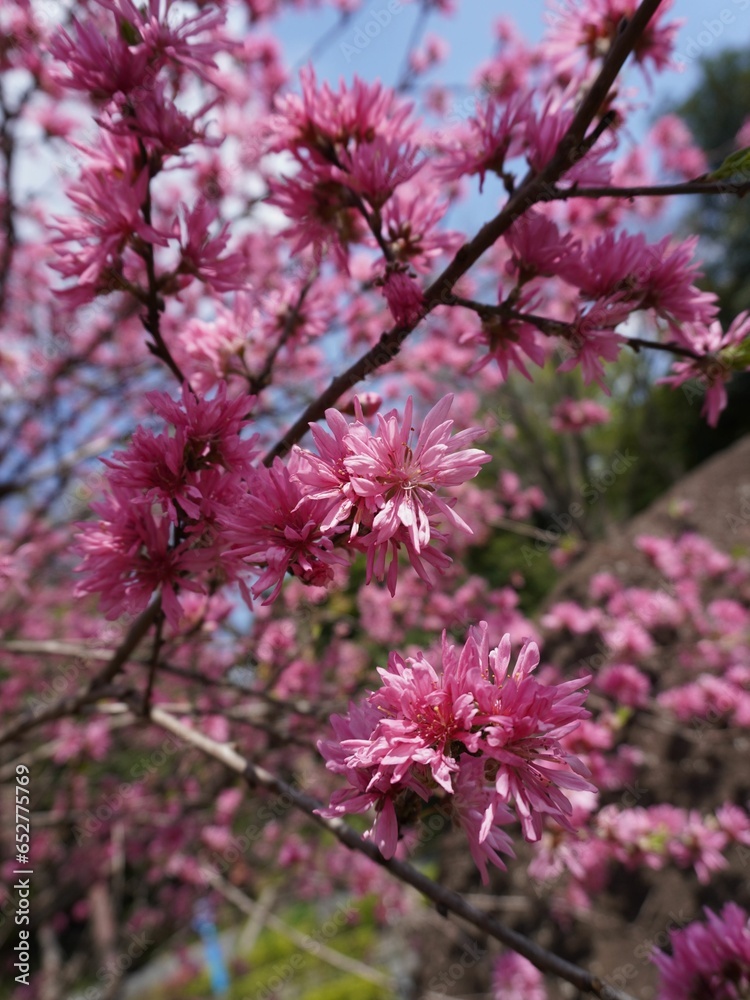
[490, 137]
[707, 959]
[101, 65]
[110, 203]
[586, 31]
[181, 44]
[656, 276]
[428, 722]
[404, 297]
[202, 255]
[277, 529]
[128, 555]
[625, 684]
[509, 342]
[537, 246]
[386, 486]
[251, 230]
[401, 477]
[320, 116]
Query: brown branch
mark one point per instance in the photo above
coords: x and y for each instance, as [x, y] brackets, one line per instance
[259, 382]
[534, 188]
[557, 328]
[445, 899]
[651, 190]
[154, 302]
[97, 686]
[154, 661]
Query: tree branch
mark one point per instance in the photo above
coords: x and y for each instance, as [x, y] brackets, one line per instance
[97, 686]
[445, 899]
[534, 188]
[696, 186]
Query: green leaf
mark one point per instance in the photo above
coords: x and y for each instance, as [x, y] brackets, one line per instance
[737, 163]
[130, 34]
[736, 356]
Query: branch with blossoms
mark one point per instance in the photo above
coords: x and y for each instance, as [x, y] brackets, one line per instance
[98, 686]
[445, 900]
[364, 539]
[411, 305]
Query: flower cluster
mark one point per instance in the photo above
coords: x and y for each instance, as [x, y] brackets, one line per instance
[190, 510]
[159, 524]
[708, 960]
[133, 73]
[383, 486]
[472, 733]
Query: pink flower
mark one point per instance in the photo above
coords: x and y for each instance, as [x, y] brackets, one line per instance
[515, 978]
[158, 122]
[425, 713]
[370, 790]
[537, 246]
[524, 722]
[375, 169]
[410, 225]
[591, 346]
[102, 66]
[679, 153]
[321, 213]
[575, 415]
[586, 31]
[278, 530]
[211, 428]
[722, 355]
[709, 959]
[404, 297]
[544, 131]
[626, 684]
[507, 340]
[571, 616]
[479, 812]
[168, 42]
[490, 137]
[110, 201]
[385, 490]
[325, 475]
[469, 731]
[403, 479]
[128, 555]
[168, 469]
[624, 268]
[201, 253]
[320, 117]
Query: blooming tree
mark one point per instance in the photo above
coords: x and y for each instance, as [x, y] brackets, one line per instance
[249, 372]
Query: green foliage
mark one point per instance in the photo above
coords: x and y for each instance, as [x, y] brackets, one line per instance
[344, 988]
[736, 165]
[715, 112]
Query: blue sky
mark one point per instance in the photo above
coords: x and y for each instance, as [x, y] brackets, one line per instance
[709, 26]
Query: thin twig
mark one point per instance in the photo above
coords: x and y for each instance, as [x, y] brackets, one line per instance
[154, 661]
[154, 303]
[97, 686]
[259, 382]
[650, 190]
